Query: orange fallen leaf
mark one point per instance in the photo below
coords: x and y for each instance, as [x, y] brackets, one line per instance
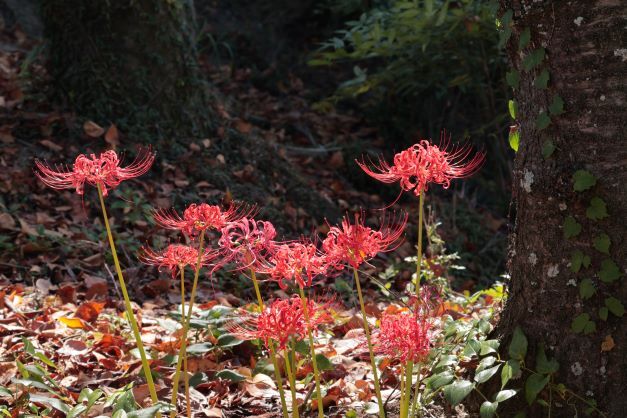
[73, 322]
[89, 311]
[608, 344]
[112, 136]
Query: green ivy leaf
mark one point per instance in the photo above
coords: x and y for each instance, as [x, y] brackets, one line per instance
[576, 260]
[603, 312]
[602, 243]
[586, 289]
[228, 340]
[533, 59]
[548, 148]
[534, 385]
[543, 364]
[230, 375]
[488, 409]
[485, 375]
[513, 107]
[609, 271]
[513, 79]
[518, 346]
[511, 369]
[506, 19]
[505, 395]
[514, 139]
[583, 180]
[485, 363]
[489, 346]
[438, 380]
[557, 106]
[457, 391]
[525, 37]
[323, 362]
[597, 209]
[543, 121]
[580, 322]
[200, 348]
[504, 37]
[572, 228]
[542, 80]
[615, 306]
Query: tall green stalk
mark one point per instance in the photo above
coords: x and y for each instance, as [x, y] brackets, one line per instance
[377, 387]
[127, 304]
[185, 319]
[275, 363]
[184, 370]
[290, 377]
[421, 203]
[313, 353]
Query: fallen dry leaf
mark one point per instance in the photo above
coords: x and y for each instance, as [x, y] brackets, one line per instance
[608, 343]
[89, 311]
[72, 322]
[92, 129]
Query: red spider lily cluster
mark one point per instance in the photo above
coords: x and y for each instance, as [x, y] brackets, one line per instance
[404, 336]
[354, 244]
[424, 163]
[103, 171]
[244, 243]
[202, 217]
[297, 262]
[176, 257]
[282, 321]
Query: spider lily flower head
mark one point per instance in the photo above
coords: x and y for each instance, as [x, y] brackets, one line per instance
[283, 321]
[103, 171]
[424, 163]
[247, 243]
[175, 257]
[201, 217]
[298, 262]
[404, 336]
[355, 244]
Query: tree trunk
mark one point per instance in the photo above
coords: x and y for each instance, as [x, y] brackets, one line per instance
[559, 211]
[131, 62]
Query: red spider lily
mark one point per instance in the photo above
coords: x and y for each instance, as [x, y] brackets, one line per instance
[175, 256]
[404, 336]
[424, 163]
[282, 321]
[354, 244]
[197, 218]
[247, 243]
[103, 171]
[296, 261]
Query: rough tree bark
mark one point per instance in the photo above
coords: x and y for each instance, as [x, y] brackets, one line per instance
[132, 62]
[584, 43]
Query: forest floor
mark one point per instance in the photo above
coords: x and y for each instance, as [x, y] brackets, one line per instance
[62, 326]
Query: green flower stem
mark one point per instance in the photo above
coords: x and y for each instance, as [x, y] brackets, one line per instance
[402, 379]
[408, 370]
[127, 304]
[275, 363]
[377, 387]
[290, 376]
[184, 337]
[314, 362]
[418, 272]
[185, 320]
[415, 407]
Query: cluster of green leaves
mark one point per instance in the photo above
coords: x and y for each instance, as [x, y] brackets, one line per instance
[533, 61]
[50, 396]
[413, 56]
[608, 272]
